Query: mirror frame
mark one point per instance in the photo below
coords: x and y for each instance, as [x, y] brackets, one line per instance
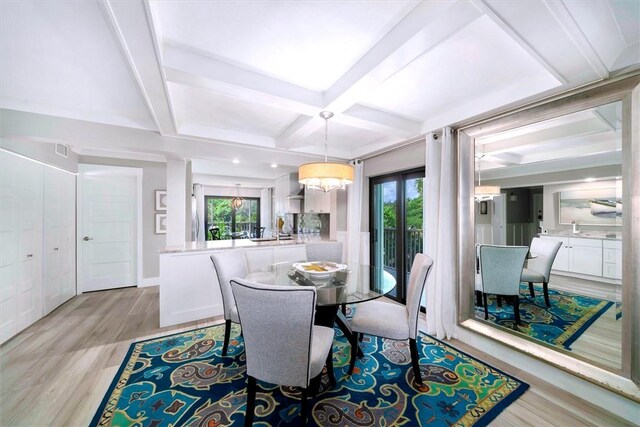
[625, 381]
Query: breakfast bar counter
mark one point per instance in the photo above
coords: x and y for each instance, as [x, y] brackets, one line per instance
[189, 288]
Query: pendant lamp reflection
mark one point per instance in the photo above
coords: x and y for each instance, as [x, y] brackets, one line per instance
[326, 176]
[237, 201]
[484, 192]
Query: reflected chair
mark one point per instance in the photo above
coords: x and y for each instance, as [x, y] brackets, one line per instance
[229, 264]
[324, 251]
[538, 270]
[500, 271]
[215, 233]
[394, 321]
[282, 344]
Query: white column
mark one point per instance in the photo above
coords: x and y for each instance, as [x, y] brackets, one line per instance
[176, 194]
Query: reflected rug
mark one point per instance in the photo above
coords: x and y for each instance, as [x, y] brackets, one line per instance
[569, 316]
[182, 379]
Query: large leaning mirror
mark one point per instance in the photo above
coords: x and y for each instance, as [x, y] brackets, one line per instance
[560, 200]
[547, 230]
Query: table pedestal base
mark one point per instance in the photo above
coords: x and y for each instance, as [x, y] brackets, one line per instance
[330, 315]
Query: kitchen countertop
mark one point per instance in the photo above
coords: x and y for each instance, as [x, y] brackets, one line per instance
[212, 245]
[591, 234]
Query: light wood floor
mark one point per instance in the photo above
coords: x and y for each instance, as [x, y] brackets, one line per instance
[57, 371]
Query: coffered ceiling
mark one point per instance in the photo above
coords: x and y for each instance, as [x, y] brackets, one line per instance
[213, 81]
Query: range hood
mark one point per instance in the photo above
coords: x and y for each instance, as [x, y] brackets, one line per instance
[297, 195]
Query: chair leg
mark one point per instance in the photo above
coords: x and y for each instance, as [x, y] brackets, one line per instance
[499, 300]
[479, 298]
[486, 309]
[251, 402]
[354, 352]
[361, 337]
[545, 289]
[344, 309]
[531, 291]
[314, 385]
[227, 334]
[332, 378]
[516, 310]
[415, 361]
[303, 406]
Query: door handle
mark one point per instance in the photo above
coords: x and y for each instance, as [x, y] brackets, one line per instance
[29, 255]
[55, 249]
[87, 238]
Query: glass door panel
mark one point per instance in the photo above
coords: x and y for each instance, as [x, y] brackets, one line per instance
[396, 225]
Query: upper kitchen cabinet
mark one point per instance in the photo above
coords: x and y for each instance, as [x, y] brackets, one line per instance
[317, 202]
[286, 197]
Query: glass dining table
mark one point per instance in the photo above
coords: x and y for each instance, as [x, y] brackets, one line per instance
[350, 284]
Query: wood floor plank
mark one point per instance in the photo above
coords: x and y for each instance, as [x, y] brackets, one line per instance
[56, 372]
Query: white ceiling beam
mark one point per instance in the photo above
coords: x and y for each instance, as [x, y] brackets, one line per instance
[503, 159]
[562, 14]
[188, 68]
[194, 70]
[229, 135]
[25, 126]
[423, 27]
[132, 27]
[484, 6]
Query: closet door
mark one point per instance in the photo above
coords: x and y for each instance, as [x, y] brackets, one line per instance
[59, 238]
[20, 244]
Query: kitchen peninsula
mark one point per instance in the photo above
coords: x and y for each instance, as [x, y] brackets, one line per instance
[189, 288]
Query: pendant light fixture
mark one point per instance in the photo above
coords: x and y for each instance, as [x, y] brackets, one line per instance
[484, 192]
[326, 176]
[237, 201]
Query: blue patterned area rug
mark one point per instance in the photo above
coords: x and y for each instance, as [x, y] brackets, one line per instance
[182, 379]
[560, 325]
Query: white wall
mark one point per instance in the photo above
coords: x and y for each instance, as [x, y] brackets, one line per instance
[154, 177]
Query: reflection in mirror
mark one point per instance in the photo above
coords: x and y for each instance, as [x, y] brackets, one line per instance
[560, 197]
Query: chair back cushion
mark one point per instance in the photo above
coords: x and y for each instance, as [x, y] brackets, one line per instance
[229, 264]
[501, 268]
[324, 251]
[546, 250]
[277, 323]
[420, 270]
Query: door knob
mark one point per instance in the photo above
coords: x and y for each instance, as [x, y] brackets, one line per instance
[87, 238]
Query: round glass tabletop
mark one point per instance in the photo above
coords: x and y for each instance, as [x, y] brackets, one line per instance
[352, 283]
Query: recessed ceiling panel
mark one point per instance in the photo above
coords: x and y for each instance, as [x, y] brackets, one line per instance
[477, 69]
[60, 58]
[307, 43]
[342, 138]
[208, 108]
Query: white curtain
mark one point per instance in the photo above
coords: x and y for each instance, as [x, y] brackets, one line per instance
[440, 233]
[354, 213]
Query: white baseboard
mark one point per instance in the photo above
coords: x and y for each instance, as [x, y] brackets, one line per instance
[149, 281]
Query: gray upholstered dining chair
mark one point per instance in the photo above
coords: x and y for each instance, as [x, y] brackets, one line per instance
[229, 264]
[500, 271]
[394, 321]
[324, 251]
[282, 344]
[538, 270]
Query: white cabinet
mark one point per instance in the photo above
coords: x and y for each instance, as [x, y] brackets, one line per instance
[20, 244]
[317, 202]
[585, 256]
[593, 257]
[37, 241]
[612, 259]
[59, 238]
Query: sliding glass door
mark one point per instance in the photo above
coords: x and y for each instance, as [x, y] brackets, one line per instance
[396, 218]
[228, 222]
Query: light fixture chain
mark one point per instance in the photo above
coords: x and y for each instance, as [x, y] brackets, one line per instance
[326, 142]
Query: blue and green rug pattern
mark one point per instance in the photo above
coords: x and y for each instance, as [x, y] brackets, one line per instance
[560, 325]
[182, 379]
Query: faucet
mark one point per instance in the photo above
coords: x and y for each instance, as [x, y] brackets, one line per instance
[575, 227]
